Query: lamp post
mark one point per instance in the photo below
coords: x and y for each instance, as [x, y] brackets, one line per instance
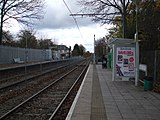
[137, 45]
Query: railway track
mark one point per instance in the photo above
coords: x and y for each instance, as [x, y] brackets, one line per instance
[16, 92]
[43, 103]
[18, 74]
[23, 78]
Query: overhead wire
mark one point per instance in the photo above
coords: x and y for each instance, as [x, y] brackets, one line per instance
[73, 19]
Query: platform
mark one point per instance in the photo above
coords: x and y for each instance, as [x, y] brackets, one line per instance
[99, 98]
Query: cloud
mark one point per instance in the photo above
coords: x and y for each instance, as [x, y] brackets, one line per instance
[60, 27]
[57, 15]
[71, 36]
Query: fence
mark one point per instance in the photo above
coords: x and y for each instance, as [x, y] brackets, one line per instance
[152, 60]
[7, 54]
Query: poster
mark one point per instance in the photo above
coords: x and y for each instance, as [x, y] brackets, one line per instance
[125, 61]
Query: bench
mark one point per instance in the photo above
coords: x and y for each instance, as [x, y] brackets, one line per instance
[17, 60]
[143, 69]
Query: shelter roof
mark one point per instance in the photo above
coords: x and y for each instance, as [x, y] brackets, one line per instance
[121, 41]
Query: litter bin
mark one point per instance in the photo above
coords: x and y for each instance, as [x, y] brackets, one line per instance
[148, 83]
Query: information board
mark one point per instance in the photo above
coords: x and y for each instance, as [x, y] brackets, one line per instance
[125, 61]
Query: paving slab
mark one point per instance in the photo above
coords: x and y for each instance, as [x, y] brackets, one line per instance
[81, 107]
[120, 100]
[129, 102]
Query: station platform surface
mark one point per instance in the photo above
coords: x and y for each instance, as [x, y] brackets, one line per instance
[100, 98]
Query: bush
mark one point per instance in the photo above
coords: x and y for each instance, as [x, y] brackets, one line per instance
[157, 87]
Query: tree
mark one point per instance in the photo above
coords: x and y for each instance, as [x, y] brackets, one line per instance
[7, 37]
[87, 54]
[27, 39]
[45, 43]
[23, 11]
[116, 30]
[105, 11]
[100, 48]
[149, 24]
[76, 50]
[81, 50]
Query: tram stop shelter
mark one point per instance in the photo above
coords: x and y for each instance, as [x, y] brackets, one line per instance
[125, 59]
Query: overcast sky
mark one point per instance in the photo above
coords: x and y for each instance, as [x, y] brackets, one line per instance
[59, 26]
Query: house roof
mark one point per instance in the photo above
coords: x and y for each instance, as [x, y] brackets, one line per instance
[60, 47]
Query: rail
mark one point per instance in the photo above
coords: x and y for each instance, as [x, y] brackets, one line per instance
[33, 96]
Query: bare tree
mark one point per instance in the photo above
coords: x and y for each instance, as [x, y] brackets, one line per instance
[24, 11]
[27, 38]
[104, 11]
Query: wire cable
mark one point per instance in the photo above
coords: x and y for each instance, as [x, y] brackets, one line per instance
[74, 19]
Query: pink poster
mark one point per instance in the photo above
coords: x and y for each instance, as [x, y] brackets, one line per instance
[125, 61]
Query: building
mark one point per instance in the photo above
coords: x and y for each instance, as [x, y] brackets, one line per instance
[60, 52]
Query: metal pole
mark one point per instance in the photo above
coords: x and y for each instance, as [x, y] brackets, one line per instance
[25, 53]
[94, 57]
[114, 63]
[124, 20]
[137, 64]
[137, 47]
[155, 65]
